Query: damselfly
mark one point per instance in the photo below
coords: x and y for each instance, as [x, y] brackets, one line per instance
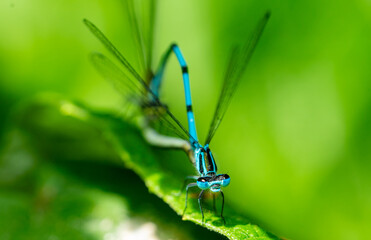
[147, 90]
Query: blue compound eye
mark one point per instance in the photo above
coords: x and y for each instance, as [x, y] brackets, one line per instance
[203, 183]
[226, 180]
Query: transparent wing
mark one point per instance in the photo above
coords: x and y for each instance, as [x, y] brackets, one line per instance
[117, 77]
[105, 65]
[110, 47]
[125, 84]
[239, 59]
[141, 14]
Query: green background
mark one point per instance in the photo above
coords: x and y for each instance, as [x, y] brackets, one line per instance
[296, 138]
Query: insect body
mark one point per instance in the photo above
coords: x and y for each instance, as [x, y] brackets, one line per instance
[203, 159]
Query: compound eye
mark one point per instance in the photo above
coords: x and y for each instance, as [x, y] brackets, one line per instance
[226, 180]
[202, 179]
[203, 182]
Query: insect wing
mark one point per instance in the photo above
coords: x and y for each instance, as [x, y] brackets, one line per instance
[239, 59]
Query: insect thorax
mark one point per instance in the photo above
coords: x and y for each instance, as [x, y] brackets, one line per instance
[205, 163]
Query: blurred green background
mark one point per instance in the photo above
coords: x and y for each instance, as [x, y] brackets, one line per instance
[296, 138]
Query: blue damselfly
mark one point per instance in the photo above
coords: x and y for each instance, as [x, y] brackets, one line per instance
[146, 89]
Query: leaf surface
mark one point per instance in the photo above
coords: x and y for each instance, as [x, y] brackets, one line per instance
[66, 130]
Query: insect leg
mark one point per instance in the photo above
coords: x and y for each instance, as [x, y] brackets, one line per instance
[188, 186]
[221, 214]
[200, 204]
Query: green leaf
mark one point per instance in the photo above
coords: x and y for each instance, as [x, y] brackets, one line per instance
[53, 195]
[68, 200]
[66, 130]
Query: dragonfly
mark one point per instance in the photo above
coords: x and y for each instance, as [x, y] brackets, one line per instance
[147, 91]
